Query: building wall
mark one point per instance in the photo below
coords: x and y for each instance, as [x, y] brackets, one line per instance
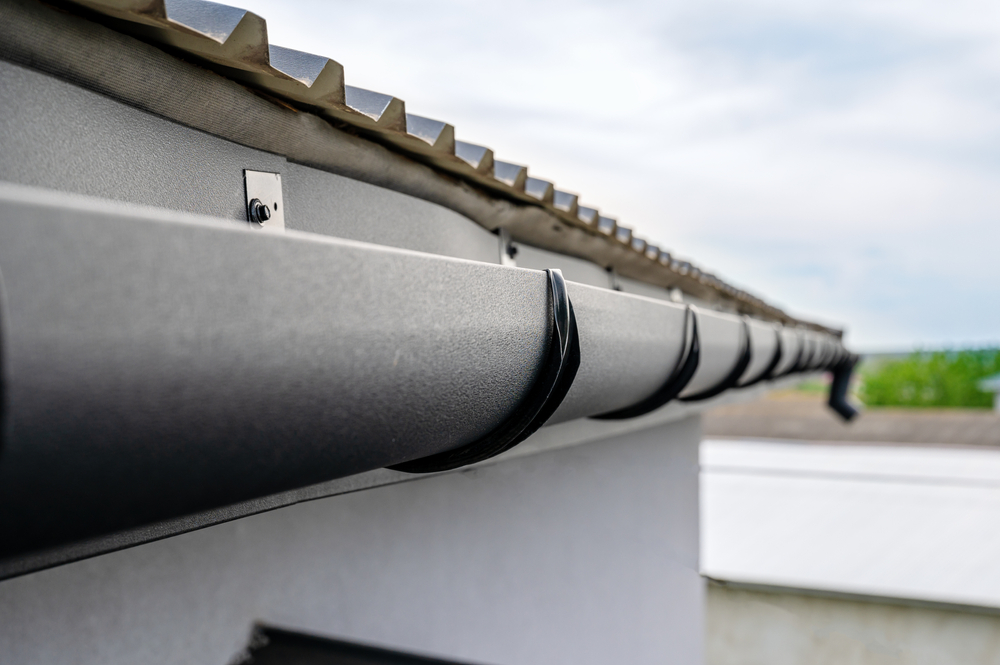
[587, 554]
[750, 627]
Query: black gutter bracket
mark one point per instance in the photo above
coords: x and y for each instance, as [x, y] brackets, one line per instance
[554, 380]
[685, 368]
[767, 374]
[734, 375]
[796, 366]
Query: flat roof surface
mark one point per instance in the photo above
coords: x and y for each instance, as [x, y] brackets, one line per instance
[899, 521]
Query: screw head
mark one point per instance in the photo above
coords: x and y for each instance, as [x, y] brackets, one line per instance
[259, 212]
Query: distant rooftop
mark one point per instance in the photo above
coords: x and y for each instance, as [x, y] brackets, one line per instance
[900, 522]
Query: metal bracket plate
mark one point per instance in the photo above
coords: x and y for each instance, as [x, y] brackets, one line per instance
[265, 206]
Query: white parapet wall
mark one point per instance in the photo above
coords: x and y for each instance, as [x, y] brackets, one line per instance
[850, 553]
[903, 522]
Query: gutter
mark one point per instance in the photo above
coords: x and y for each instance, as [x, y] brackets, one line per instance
[158, 364]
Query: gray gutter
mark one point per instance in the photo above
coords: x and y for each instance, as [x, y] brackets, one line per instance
[158, 364]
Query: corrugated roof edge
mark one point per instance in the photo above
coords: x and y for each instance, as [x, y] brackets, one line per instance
[233, 42]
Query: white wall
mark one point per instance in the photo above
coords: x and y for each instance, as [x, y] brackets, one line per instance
[580, 555]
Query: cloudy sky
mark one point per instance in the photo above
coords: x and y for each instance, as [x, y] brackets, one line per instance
[841, 159]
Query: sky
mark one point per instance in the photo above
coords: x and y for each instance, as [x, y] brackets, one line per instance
[840, 159]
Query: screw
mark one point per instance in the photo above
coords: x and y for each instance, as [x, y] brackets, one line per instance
[259, 212]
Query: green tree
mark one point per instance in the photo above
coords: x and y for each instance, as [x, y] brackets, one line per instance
[928, 379]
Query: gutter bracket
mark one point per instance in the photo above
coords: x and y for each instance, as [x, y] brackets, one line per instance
[686, 366]
[733, 376]
[554, 380]
[766, 375]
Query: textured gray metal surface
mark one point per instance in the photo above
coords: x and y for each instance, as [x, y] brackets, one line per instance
[642, 289]
[549, 438]
[819, 351]
[586, 555]
[791, 347]
[719, 338]
[630, 345]
[811, 349]
[156, 367]
[763, 346]
[324, 203]
[159, 365]
[63, 137]
[574, 269]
